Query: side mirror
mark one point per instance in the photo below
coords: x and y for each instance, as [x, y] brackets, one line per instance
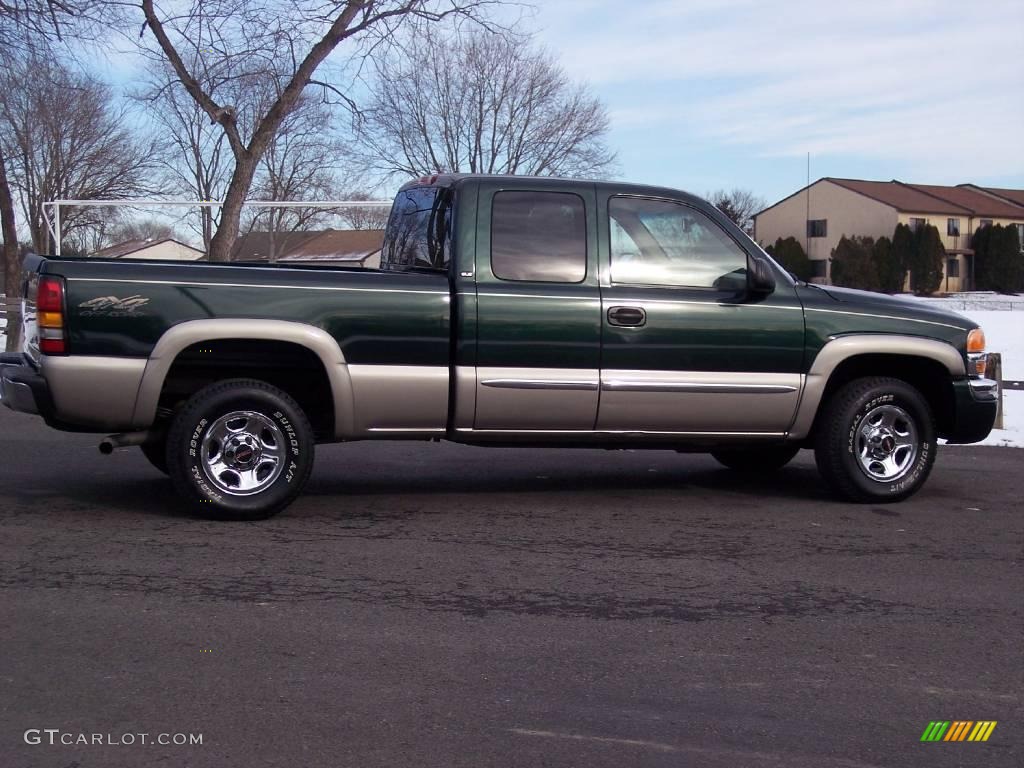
[760, 278]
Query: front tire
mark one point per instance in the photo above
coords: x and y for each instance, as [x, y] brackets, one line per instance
[875, 440]
[240, 450]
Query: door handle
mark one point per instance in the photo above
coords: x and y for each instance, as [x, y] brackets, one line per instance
[630, 317]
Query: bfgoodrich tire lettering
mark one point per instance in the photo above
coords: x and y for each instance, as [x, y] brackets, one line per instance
[224, 436]
[875, 440]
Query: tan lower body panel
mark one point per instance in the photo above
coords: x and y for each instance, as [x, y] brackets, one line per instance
[399, 400]
[536, 398]
[96, 392]
[698, 401]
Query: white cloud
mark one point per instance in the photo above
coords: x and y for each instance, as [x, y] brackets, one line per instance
[925, 81]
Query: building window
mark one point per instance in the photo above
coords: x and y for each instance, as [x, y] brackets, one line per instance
[1020, 236]
[660, 242]
[953, 268]
[819, 267]
[985, 223]
[953, 227]
[539, 236]
[916, 224]
[817, 228]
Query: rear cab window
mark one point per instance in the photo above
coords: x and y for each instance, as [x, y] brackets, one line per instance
[418, 234]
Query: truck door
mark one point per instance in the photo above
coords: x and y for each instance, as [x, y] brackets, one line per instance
[684, 351]
[538, 307]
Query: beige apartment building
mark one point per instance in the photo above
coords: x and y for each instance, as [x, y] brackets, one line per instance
[820, 214]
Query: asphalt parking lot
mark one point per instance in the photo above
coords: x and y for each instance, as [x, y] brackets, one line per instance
[438, 605]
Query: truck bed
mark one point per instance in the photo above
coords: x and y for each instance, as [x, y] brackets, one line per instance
[121, 308]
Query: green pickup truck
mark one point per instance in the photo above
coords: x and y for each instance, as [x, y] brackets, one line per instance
[507, 311]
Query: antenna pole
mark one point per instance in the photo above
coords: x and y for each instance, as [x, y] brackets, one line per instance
[807, 224]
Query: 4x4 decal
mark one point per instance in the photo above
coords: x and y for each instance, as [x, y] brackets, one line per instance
[111, 306]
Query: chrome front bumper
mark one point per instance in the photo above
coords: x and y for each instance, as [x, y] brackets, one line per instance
[984, 389]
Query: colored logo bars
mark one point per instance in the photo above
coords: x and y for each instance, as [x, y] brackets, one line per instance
[958, 730]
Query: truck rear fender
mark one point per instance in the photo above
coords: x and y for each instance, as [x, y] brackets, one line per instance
[193, 332]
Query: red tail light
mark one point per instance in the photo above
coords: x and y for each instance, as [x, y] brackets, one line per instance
[50, 316]
[51, 294]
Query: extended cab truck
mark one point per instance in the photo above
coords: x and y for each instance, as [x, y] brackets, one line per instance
[507, 311]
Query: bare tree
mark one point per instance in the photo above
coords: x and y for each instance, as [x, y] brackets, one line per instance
[65, 138]
[280, 42]
[303, 162]
[482, 103]
[739, 205]
[198, 163]
[22, 23]
[143, 229]
[359, 217]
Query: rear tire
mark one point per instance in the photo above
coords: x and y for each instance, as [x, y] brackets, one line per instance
[764, 459]
[875, 441]
[240, 450]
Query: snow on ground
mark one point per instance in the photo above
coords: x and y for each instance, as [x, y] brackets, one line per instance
[1012, 436]
[1002, 318]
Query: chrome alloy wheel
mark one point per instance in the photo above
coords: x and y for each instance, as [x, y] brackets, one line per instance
[243, 453]
[886, 443]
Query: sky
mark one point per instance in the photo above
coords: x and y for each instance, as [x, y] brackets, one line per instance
[708, 94]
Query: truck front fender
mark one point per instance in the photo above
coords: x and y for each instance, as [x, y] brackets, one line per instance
[842, 348]
[186, 334]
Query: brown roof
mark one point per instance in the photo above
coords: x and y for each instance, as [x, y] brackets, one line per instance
[262, 246]
[903, 197]
[320, 245]
[1013, 195]
[978, 203]
[128, 247]
[340, 244]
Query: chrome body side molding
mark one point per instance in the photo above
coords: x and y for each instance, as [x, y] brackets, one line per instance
[587, 386]
[618, 385]
[845, 347]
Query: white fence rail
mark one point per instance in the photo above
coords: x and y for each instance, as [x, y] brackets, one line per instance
[979, 301]
[52, 217]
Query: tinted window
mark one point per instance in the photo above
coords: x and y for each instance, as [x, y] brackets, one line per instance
[540, 236]
[656, 242]
[418, 233]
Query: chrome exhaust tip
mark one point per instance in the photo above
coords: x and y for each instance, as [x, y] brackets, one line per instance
[123, 440]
